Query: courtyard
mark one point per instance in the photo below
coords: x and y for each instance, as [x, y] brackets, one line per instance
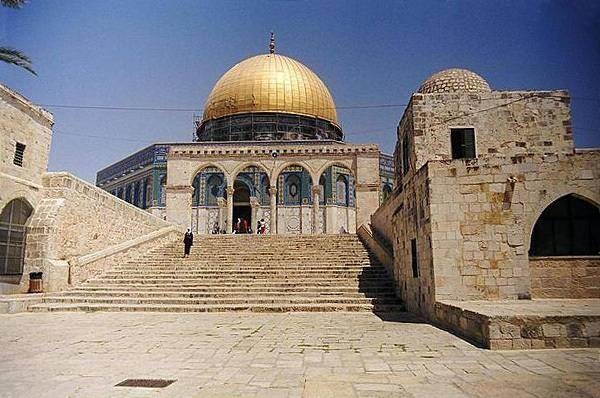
[273, 355]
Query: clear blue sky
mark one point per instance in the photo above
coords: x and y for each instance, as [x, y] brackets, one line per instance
[169, 54]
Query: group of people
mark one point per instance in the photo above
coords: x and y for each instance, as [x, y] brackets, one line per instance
[242, 226]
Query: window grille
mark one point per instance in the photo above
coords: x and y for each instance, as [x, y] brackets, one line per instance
[12, 236]
[19, 151]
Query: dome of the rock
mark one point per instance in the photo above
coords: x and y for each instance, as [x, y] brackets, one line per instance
[269, 96]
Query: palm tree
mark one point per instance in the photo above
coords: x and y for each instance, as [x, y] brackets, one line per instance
[12, 3]
[10, 55]
[15, 57]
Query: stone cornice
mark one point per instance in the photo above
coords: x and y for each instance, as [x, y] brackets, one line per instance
[15, 99]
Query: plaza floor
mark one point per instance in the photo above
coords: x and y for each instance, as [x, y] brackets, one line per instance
[272, 355]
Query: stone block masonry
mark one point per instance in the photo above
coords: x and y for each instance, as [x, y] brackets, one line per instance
[76, 219]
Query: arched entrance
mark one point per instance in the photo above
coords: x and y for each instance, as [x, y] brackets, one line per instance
[242, 210]
[13, 220]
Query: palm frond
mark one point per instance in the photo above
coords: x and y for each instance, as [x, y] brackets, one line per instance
[13, 3]
[15, 57]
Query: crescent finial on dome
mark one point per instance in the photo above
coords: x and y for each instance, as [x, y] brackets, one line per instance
[272, 43]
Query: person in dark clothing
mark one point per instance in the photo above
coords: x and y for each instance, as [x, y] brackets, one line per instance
[188, 241]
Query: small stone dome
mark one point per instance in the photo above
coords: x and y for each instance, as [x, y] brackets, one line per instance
[454, 81]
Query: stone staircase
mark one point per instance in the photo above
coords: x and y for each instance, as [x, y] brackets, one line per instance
[259, 273]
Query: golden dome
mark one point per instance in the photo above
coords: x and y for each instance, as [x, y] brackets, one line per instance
[454, 80]
[270, 83]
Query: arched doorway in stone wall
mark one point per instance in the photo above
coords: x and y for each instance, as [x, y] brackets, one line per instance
[13, 231]
[564, 251]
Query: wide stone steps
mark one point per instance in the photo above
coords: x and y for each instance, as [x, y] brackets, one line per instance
[240, 273]
[377, 308]
[219, 300]
[254, 289]
[223, 293]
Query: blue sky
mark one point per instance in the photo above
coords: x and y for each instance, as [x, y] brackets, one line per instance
[169, 54]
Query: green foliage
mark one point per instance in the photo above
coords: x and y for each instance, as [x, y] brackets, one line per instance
[13, 3]
[10, 55]
[15, 57]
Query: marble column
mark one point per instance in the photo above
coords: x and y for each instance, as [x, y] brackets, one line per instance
[222, 203]
[316, 197]
[229, 228]
[255, 205]
[273, 193]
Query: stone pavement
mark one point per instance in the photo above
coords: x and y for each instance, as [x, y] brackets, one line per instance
[272, 355]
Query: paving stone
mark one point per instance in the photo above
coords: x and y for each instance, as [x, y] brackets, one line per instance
[86, 354]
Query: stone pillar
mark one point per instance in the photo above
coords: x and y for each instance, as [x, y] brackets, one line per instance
[273, 193]
[229, 210]
[222, 203]
[255, 205]
[316, 195]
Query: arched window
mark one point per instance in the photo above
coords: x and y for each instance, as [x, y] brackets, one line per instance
[13, 218]
[386, 191]
[322, 183]
[128, 194]
[341, 190]
[214, 189]
[569, 226]
[293, 189]
[148, 193]
[163, 191]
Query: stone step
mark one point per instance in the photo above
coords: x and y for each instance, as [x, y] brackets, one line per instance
[214, 289]
[240, 293]
[241, 273]
[240, 281]
[217, 300]
[384, 308]
[250, 274]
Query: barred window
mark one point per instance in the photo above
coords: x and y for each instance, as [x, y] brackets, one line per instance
[19, 151]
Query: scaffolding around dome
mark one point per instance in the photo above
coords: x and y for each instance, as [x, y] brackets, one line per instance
[267, 126]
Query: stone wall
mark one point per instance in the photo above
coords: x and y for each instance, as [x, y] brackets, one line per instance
[565, 277]
[76, 219]
[483, 211]
[507, 123]
[22, 122]
[402, 218]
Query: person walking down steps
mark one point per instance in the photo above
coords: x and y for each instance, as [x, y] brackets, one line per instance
[188, 241]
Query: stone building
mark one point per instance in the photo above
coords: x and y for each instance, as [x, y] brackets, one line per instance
[268, 147]
[55, 223]
[25, 136]
[492, 199]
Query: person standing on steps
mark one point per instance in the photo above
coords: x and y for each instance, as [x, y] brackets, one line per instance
[188, 241]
